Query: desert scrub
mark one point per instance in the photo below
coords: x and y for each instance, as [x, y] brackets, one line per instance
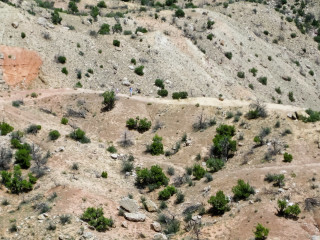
[287, 157]
[64, 121]
[179, 95]
[111, 149]
[94, 217]
[228, 55]
[54, 135]
[64, 71]
[79, 136]
[116, 43]
[242, 190]
[5, 128]
[62, 59]
[156, 147]
[152, 178]
[139, 70]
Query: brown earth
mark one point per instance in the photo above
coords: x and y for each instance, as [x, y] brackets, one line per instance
[19, 66]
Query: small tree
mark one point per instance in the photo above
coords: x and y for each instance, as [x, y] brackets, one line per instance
[219, 203]
[117, 28]
[155, 177]
[287, 157]
[261, 232]
[109, 100]
[242, 190]
[5, 128]
[23, 158]
[94, 12]
[55, 17]
[104, 29]
[156, 148]
[79, 136]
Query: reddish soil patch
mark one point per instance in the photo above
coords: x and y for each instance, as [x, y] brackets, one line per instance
[19, 66]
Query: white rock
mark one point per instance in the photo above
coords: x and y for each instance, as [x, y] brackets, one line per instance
[131, 67]
[156, 226]
[135, 217]
[15, 24]
[114, 156]
[160, 236]
[124, 224]
[129, 205]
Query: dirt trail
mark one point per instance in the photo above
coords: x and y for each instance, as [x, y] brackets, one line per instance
[203, 101]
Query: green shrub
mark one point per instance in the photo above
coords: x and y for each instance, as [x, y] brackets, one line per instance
[104, 174]
[291, 98]
[210, 36]
[163, 92]
[210, 24]
[65, 219]
[179, 13]
[314, 116]
[109, 100]
[253, 71]
[215, 164]
[55, 17]
[311, 73]
[180, 198]
[78, 85]
[33, 129]
[261, 232]
[287, 157]
[142, 125]
[117, 28]
[127, 166]
[240, 75]
[228, 55]
[223, 143]
[166, 193]
[116, 43]
[172, 226]
[79, 135]
[288, 211]
[141, 29]
[156, 148]
[139, 70]
[198, 172]
[278, 179]
[170, 171]
[208, 177]
[102, 4]
[54, 135]
[242, 190]
[104, 29]
[257, 110]
[133, 61]
[94, 12]
[179, 95]
[219, 203]
[15, 183]
[293, 35]
[111, 149]
[23, 158]
[154, 176]
[263, 80]
[64, 71]
[64, 121]
[159, 83]
[17, 103]
[5, 128]
[94, 217]
[23, 35]
[72, 6]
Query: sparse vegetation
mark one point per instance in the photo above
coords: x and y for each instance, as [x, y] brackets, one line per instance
[95, 218]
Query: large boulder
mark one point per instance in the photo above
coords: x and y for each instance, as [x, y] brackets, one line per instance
[129, 205]
[151, 206]
[135, 217]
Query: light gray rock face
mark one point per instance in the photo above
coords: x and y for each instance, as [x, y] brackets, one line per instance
[151, 206]
[135, 217]
[129, 205]
[160, 236]
[156, 226]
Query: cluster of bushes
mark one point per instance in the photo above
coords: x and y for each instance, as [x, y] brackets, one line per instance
[161, 92]
[141, 125]
[95, 218]
[15, 183]
[79, 135]
[153, 178]
[257, 110]
[179, 95]
[291, 211]
[314, 116]
[277, 179]
[223, 144]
